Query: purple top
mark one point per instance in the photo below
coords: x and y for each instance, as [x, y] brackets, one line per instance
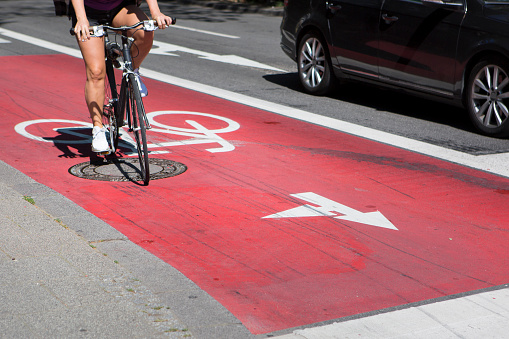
[103, 5]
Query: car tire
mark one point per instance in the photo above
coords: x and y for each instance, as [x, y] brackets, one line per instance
[487, 95]
[314, 65]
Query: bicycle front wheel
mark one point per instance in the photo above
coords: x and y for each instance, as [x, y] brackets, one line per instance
[138, 123]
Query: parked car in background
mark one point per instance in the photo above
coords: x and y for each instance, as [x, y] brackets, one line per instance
[434, 48]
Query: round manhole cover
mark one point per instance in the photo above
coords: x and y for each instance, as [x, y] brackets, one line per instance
[126, 169]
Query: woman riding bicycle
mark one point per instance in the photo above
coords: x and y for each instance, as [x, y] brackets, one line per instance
[86, 13]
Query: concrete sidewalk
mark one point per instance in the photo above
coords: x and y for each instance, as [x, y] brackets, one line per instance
[56, 283]
[483, 315]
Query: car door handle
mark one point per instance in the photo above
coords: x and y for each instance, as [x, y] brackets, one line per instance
[389, 19]
[333, 8]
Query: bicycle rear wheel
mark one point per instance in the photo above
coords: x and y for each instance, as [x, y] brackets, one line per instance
[111, 111]
[138, 123]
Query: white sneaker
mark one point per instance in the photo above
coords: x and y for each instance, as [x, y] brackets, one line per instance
[99, 141]
[141, 85]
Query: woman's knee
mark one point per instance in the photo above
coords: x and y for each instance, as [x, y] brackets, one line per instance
[96, 73]
[144, 39]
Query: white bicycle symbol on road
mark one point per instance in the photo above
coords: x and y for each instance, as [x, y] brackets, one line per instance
[73, 132]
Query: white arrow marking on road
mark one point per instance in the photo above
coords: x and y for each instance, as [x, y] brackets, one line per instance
[326, 207]
[163, 48]
[3, 41]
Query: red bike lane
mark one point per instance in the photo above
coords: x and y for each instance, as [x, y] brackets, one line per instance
[283, 222]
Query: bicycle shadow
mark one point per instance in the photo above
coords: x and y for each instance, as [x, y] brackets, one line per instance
[75, 142]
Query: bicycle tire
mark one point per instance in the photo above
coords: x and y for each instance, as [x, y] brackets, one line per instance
[138, 120]
[111, 111]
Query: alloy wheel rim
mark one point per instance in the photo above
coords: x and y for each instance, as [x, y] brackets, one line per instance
[489, 95]
[312, 62]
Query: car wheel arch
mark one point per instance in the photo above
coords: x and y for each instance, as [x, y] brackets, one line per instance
[472, 62]
[311, 29]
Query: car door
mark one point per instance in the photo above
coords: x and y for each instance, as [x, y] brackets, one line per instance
[354, 26]
[418, 42]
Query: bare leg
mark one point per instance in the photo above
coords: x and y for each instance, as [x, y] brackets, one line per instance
[93, 55]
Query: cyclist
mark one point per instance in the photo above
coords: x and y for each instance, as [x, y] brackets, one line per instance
[86, 13]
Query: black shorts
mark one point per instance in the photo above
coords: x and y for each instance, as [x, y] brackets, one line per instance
[96, 17]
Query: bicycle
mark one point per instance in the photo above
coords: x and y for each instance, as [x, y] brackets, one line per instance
[126, 103]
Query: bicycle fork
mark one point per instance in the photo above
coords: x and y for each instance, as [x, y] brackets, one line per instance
[128, 69]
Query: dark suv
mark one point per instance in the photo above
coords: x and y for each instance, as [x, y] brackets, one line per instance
[431, 47]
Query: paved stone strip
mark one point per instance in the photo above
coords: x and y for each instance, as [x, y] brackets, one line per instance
[56, 284]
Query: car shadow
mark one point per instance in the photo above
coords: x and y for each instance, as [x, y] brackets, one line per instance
[389, 100]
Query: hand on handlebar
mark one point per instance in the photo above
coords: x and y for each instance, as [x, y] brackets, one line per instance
[163, 21]
[82, 30]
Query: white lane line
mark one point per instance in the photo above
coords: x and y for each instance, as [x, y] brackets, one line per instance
[3, 41]
[496, 164]
[164, 48]
[206, 32]
[41, 43]
[159, 48]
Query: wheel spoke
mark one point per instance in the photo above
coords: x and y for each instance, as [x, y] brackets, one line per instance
[305, 66]
[477, 96]
[315, 43]
[308, 53]
[503, 95]
[488, 77]
[496, 114]
[308, 74]
[480, 84]
[502, 85]
[503, 109]
[318, 76]
[494, 84]
[487, 118]
[482, 110]
[313, 77]
[318, 51]
[309, 49]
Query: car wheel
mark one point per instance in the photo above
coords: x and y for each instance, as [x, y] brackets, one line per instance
[314, 65]
[488, 97]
